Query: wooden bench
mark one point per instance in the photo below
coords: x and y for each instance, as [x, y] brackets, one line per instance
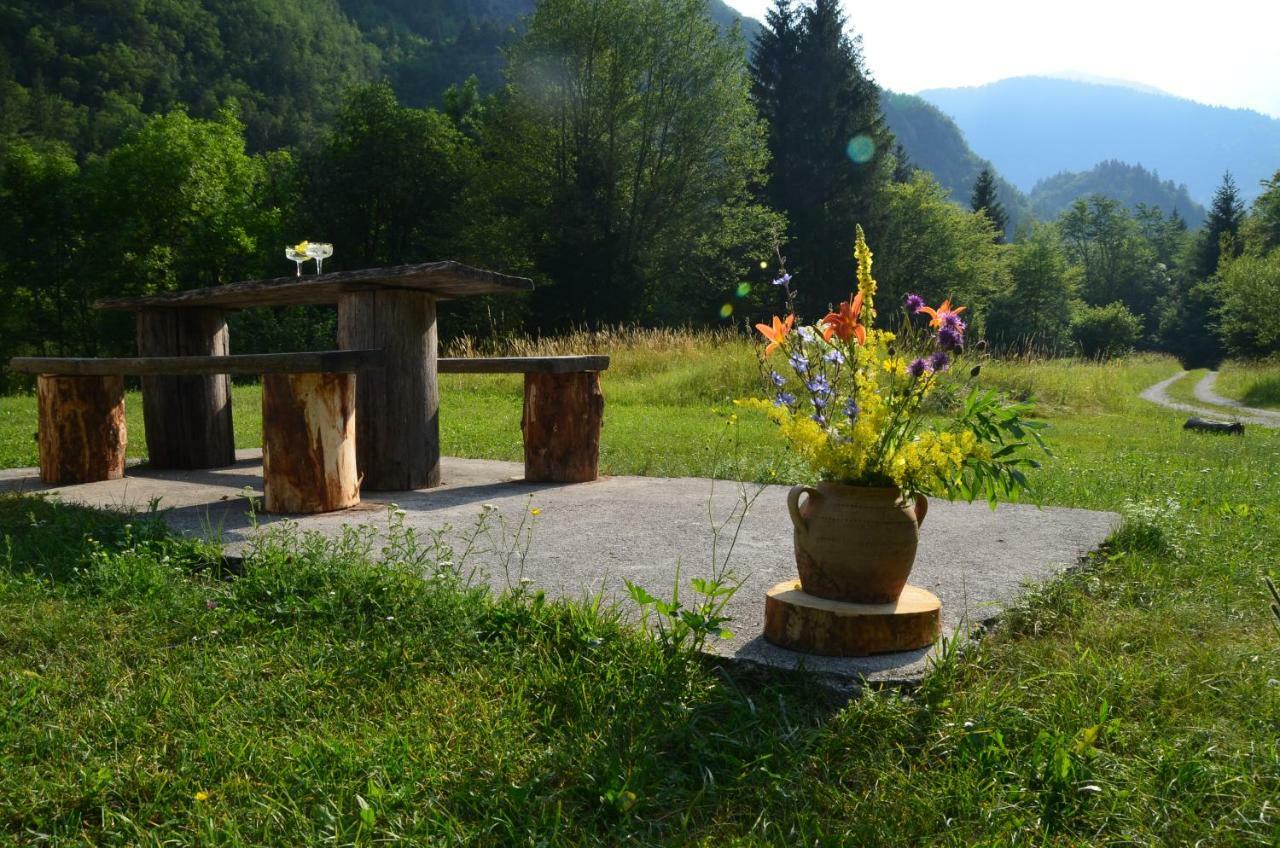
[563, 411]
[308, 419]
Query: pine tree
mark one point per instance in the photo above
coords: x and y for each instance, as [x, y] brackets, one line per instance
[984, 200]
[1225, 217]
[829, 144]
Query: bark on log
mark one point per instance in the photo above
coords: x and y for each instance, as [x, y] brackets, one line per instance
[563, 414]
[309, 442]
[398, 406]
[82, 429]
[188, 418]
[802, 622]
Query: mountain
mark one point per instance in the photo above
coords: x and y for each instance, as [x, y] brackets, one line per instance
[1033, 127]
[934, 143]
[1130, 184]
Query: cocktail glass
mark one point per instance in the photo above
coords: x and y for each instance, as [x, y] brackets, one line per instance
[319, 251]
[297, 256]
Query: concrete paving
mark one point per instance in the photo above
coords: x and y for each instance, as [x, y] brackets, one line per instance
[587, 538]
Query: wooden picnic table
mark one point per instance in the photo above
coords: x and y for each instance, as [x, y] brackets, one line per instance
[188, 418]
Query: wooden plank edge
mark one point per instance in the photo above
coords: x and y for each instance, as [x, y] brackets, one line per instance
[311, 362]
[521, 364]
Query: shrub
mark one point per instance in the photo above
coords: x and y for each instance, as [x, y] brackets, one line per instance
[1105, 331]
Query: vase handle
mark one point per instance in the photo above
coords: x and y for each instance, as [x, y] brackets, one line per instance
[793, 504]
[922, 509]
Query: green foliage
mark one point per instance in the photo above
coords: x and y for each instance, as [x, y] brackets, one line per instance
[1218, 238]
[386, 182]
[1116, 263]
[1261, 229]
[930, 246]
[625, 152]
[1101, 332]
[1132, 185]
[1250, 285]
[984, 199]
[830, 149]
[1033, 313]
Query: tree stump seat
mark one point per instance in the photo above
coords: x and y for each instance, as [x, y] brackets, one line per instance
[308, 419]
[563, 411]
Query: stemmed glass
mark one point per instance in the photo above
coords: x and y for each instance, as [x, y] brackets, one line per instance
[299, 256]
[319, 251]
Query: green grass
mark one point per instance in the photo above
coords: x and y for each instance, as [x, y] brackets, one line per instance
[322, 699]
[1252, 383]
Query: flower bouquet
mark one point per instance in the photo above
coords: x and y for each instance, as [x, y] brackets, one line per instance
[851, 400]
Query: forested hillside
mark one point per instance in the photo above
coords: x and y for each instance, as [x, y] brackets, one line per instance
[934, 142]
[88, 73]
[1132, 185]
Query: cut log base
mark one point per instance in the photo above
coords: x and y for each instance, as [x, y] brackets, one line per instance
[798, 621]
[309, 442]
[563, 414]
[82, 431]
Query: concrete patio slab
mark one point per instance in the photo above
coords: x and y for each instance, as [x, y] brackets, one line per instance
[587, 538]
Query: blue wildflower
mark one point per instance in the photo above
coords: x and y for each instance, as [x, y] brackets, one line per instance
[819, 385]
[851, 409]
[778, 379]
[785, 399]
[799, 363]
[834, 356]
[783, 280]
[819, 419]
[939, 361]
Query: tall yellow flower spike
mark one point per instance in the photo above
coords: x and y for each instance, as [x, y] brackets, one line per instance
[866, 283]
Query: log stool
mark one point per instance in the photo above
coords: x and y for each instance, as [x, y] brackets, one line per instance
[796, 620]
[309, 442]
[82, 430]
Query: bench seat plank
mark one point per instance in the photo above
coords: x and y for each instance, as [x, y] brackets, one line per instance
[315, 362]
[521, 364]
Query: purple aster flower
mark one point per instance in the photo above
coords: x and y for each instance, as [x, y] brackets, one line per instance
[834, 356]
[778, 379]
[799, 363]
[918, 368]
[939, 361]
[784, 399]
[851, 409]
[783, 280]
[951, 338]
[914, 303]
[819, 385]
[952, 320]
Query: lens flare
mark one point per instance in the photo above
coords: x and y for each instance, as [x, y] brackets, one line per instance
[744, 289]
[726, 310]
[763, 264]
[860, 150]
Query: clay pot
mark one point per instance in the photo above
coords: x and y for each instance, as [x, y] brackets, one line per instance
[855, 543]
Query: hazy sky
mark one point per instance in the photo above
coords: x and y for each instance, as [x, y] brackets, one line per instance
[1225, 52]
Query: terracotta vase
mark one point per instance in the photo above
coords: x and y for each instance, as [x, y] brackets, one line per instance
[855, 543]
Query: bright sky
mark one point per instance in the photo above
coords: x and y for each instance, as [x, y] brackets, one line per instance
[1225, 52]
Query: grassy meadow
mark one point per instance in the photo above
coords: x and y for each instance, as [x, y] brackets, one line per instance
[320, 698]
[1252, 383]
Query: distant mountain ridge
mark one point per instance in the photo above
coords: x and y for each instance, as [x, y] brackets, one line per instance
[1035, 127]
[1129, 184]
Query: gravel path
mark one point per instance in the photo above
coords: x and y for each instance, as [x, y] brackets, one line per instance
[1216, 405]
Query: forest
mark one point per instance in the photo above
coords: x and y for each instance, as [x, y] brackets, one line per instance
[641, 162]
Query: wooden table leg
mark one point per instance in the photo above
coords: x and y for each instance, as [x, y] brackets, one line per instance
[397, 406]
[563, 414]
[188, 418]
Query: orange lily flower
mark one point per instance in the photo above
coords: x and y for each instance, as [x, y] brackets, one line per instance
[939, 315]
[844, 321]
[777, 333]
